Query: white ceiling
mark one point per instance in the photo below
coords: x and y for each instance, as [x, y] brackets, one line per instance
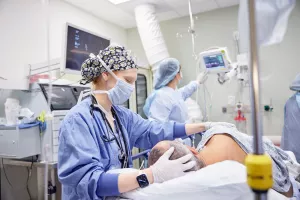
[123, 14]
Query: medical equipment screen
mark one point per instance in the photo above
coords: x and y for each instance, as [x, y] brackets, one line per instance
[213, 61]
[80, 44]
[77, 90]
[62, 97]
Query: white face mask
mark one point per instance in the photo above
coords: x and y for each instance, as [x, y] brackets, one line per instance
[272, 21]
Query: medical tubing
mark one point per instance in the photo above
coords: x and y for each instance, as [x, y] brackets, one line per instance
[210, 100]
[204, 97]
[205, 108]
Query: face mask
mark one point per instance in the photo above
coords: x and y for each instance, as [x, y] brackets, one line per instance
[179, 79]
[120, 93]
[273, 18]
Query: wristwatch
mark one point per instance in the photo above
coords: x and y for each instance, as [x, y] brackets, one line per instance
[142, 180]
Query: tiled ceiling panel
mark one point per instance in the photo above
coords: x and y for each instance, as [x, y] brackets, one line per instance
[123, 14]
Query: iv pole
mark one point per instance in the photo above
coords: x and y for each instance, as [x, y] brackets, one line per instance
[259, 165]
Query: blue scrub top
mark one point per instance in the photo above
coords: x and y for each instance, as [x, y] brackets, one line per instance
[84, 158]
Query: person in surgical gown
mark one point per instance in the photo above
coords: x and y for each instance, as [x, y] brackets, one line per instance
[97, 135]
[167, 103]
[290, 140]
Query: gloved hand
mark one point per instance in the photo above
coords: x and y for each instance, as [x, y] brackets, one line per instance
[165, 169]
[209, 125]
[202, 77]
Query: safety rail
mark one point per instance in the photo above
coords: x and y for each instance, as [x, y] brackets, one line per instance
[141, 154]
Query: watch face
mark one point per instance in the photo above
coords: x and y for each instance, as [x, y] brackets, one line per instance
[142, 180]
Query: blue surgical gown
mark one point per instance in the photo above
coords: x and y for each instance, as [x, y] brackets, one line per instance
[168, 104]
[84, 158]
[290, 140]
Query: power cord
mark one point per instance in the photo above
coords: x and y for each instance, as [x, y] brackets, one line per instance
[29, 171]
[6, 175]
[28, 178]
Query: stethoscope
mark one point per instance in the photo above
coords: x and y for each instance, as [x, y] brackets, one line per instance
[123, 155]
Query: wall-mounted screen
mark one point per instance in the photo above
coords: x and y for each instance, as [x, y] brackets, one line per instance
[80, 44]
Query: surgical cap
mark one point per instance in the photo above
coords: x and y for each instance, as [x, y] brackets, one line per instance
[295, 86]
[116, 58]
[168, 68]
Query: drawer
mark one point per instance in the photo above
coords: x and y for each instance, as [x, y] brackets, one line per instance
[58, 119]
[55, 149]
[57, 122]
[56, 127]
[55, 157]
[55, 141]
[55, 134]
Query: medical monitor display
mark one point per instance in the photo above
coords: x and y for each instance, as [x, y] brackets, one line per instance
[62, 97]
[214, 61]
[79, 45]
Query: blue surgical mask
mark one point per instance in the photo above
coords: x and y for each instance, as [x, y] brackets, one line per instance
[179, 80]
[120, 93]
[298, 98]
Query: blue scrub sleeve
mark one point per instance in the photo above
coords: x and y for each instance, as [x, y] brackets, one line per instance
[189, 89]
[145, 133]
[79, 161]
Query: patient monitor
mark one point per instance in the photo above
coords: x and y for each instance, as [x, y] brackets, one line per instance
[215, 60]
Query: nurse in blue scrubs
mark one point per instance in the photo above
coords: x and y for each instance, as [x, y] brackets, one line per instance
[167, 103]
[97, 135]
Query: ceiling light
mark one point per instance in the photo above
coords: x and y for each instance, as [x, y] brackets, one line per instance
[118, 1]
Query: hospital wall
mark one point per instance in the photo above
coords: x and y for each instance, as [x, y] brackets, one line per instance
[278, 63]
[23, 41]
[23, 32]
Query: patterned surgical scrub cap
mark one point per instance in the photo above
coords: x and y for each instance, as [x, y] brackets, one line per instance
[116, 58]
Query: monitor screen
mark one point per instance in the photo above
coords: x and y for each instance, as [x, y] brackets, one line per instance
[77, 90]
[62, 97]
[213, 61]
[79, 45]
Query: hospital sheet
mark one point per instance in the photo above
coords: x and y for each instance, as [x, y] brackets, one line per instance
[222, 181]
[281, 177]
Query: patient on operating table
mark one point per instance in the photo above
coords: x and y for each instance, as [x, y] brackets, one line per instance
[231, 145]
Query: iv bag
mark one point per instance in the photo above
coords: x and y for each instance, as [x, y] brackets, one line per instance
[271, 24]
